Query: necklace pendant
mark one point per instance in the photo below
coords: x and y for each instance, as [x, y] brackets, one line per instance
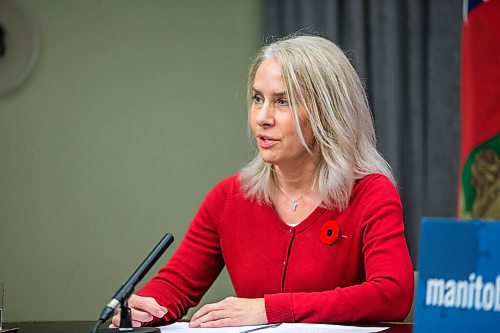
[294, 205]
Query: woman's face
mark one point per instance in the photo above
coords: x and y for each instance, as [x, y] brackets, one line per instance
[271, 118]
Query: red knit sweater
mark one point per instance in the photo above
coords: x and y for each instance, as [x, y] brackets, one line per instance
[365, 275]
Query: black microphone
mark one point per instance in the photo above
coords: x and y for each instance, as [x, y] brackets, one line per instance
[128, 287]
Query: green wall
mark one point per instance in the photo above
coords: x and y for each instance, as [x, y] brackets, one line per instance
[135, 109]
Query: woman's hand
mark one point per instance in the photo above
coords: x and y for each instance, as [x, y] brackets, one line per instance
[142, 309]
[231, 311]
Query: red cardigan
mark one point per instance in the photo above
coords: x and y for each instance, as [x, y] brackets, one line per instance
[365, 275]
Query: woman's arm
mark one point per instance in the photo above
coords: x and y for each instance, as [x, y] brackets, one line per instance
[195, 265]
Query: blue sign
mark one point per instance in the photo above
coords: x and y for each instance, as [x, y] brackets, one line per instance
[458, 286]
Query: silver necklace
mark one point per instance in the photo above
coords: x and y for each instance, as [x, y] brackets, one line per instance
[295, 202]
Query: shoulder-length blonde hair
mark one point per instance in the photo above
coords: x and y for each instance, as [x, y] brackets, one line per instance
[318, 76]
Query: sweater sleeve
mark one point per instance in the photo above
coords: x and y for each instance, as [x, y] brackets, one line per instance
[194, 266]
[387, 293]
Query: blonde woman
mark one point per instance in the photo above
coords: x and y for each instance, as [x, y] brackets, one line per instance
[311, 230]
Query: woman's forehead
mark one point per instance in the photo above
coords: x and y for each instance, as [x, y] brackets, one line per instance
[269, 77]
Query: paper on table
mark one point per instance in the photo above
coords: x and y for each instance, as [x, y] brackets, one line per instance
[181, 327]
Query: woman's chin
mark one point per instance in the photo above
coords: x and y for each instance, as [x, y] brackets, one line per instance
[268, 159]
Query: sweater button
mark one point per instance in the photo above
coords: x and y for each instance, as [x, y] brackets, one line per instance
[284, 262]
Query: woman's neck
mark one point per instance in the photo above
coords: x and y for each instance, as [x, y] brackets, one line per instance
[296, 179]
[295, 195]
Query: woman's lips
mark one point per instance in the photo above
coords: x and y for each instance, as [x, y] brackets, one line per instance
[266, 142]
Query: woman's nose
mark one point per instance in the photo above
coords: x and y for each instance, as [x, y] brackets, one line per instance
[265, 115]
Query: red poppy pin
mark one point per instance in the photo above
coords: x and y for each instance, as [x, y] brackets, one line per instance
[329, 232]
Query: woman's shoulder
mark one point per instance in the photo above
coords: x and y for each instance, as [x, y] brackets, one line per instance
[375, 185]
[374, 179]
[375, 195]
[229, 182]
[227, 186]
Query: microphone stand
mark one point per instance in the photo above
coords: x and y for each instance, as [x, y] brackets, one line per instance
[126, 322]
[125, 316]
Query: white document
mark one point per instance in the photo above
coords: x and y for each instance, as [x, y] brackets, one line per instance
[181, 327]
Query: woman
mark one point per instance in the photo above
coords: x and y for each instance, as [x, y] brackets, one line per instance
[311, 230]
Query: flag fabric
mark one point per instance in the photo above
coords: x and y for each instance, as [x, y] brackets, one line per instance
[479, 190]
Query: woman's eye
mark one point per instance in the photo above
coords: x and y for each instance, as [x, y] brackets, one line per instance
[257, 99]
[282, 102]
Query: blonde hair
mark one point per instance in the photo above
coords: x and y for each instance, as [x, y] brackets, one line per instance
[318, 76]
